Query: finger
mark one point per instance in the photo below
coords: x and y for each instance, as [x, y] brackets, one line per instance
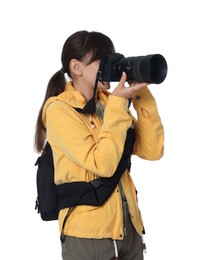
[123, 79]
[132, 82]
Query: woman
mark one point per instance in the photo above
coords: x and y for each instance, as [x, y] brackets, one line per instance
[86, 127]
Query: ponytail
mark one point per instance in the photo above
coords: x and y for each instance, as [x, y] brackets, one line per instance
[55, 86]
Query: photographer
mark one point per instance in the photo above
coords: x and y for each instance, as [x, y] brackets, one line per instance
[87, 128]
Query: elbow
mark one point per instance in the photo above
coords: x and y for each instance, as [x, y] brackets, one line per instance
[152, 154]
[106, 169]
[156, 154]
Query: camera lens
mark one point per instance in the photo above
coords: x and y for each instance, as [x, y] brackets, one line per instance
[153, 68]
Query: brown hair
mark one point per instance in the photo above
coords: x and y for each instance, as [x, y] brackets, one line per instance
[75, 47]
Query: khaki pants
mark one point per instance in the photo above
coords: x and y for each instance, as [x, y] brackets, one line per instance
[130, 248]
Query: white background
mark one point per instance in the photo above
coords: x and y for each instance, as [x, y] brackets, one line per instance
[32, 36]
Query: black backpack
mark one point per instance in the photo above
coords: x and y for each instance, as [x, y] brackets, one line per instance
[46, 202]
[51, 197]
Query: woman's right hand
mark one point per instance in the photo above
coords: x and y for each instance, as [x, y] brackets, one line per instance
[127, 92]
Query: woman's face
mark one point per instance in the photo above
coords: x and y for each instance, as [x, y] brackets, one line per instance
[84, 76]
[90, 73]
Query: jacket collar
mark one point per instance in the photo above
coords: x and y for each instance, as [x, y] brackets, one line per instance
[75, 98]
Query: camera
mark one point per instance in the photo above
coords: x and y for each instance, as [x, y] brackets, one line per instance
[149, 69]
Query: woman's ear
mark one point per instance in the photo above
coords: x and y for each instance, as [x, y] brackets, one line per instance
[76, 67]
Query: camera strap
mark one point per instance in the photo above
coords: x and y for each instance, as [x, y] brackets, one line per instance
[90, 106]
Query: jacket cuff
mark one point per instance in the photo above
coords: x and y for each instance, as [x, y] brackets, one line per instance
[117, 103]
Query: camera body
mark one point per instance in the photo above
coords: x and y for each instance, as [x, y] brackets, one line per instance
[149, 69]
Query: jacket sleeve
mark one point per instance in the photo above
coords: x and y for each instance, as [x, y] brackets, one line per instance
[69, 133]
[149, 129]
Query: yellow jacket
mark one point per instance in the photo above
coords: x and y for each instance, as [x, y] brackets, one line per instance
[82, 153]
